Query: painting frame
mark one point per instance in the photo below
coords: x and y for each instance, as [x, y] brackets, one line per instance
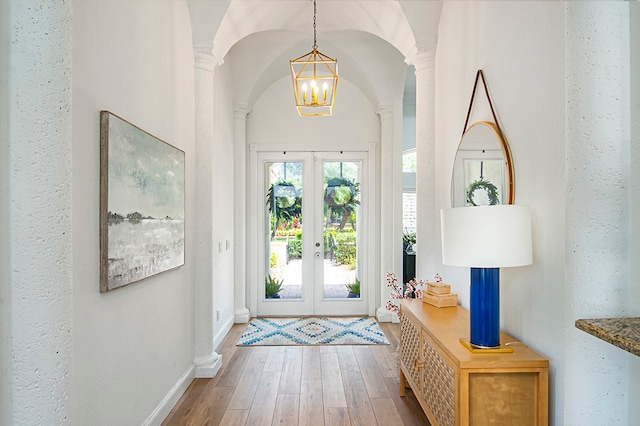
[142, 204]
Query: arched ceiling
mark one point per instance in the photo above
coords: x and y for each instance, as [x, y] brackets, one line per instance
[372, 40]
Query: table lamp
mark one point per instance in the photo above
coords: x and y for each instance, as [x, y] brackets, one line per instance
[486, 238]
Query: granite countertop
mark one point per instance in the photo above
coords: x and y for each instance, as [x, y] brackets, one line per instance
[621, 332]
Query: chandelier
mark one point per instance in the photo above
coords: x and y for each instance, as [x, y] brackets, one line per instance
[315, 79]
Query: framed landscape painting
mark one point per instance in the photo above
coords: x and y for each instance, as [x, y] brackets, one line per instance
[142, 185]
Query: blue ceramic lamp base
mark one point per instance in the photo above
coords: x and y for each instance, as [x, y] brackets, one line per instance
[485, 308]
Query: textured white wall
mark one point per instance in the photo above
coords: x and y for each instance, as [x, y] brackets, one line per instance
[634, 288]
[597, 207]
[37, 300]
[5, 349]
[133, 345]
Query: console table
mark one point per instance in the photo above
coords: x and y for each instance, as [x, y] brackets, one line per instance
[456, 387]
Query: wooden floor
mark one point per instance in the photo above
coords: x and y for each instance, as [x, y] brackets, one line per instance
[300, 385]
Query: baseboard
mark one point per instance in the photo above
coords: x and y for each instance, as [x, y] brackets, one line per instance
[169, 401]
[222, 333]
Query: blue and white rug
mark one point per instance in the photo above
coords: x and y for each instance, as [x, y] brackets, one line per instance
[312, 331]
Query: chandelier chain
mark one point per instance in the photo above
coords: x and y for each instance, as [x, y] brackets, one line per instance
[315, 33]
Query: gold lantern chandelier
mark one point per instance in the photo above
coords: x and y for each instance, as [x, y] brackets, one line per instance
[315, 80]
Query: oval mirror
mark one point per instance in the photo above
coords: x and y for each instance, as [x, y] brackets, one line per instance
[483, 170]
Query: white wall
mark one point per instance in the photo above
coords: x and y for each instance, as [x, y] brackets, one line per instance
[634, 50]
[274, 119]
[37, 275]
[5, 389]
[634, 288]
[223, 190]
[131, 346]
[526, 74]
[597, 232]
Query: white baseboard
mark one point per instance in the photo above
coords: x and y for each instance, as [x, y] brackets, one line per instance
[384, 315]
[169, 401]
[222, 333]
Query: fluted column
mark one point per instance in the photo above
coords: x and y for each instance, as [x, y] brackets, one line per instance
[240, 212]
[36, 300]
[427, 219]
[207, 361]
[390, 202]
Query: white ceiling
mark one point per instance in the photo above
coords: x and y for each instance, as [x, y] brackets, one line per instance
[373, 40]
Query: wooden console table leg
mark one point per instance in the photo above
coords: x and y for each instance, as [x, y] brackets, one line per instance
[403, 384]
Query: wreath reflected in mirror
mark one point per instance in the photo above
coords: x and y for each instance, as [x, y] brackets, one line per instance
[484, 185]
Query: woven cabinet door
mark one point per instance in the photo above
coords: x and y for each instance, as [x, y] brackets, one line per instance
[439, 383]
[410, 351]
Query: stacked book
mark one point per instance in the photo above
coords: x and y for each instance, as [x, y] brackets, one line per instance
[439, 295]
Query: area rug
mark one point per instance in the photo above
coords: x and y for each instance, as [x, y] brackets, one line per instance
[312, 331]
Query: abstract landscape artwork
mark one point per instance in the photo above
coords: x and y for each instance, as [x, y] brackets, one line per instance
[142, 185]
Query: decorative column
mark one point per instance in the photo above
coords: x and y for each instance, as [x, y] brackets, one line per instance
[240, 212]
[207, 361]
[36, 300]
[427, 219]
[390, 202]
[596, 208]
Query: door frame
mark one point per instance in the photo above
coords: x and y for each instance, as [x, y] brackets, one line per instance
[256, 212]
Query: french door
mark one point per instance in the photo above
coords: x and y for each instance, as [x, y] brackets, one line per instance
[311, 257]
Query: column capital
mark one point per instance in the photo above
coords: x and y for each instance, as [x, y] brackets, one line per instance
[204, 58]
[424, 56]
[240, 111]
[385, 111]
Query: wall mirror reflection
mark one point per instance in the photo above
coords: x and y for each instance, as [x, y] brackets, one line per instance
[482, 171]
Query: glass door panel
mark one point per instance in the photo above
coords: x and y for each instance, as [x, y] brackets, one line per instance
[339, 227]
[341, 198]
[283, 212]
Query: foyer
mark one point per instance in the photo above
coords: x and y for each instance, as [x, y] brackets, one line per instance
[211, 78]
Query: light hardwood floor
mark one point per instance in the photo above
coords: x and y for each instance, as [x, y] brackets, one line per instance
[300, 385]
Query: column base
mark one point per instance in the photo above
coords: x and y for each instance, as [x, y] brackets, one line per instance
[242, 316]
[207, 368]
[385, 315]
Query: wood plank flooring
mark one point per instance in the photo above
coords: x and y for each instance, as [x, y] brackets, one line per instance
[300, 385]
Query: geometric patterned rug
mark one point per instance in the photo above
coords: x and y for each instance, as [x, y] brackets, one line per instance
[313, 331]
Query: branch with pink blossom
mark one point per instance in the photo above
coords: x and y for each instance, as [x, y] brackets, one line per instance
[412, 290]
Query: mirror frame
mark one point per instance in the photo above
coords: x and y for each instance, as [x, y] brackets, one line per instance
[506, 155]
